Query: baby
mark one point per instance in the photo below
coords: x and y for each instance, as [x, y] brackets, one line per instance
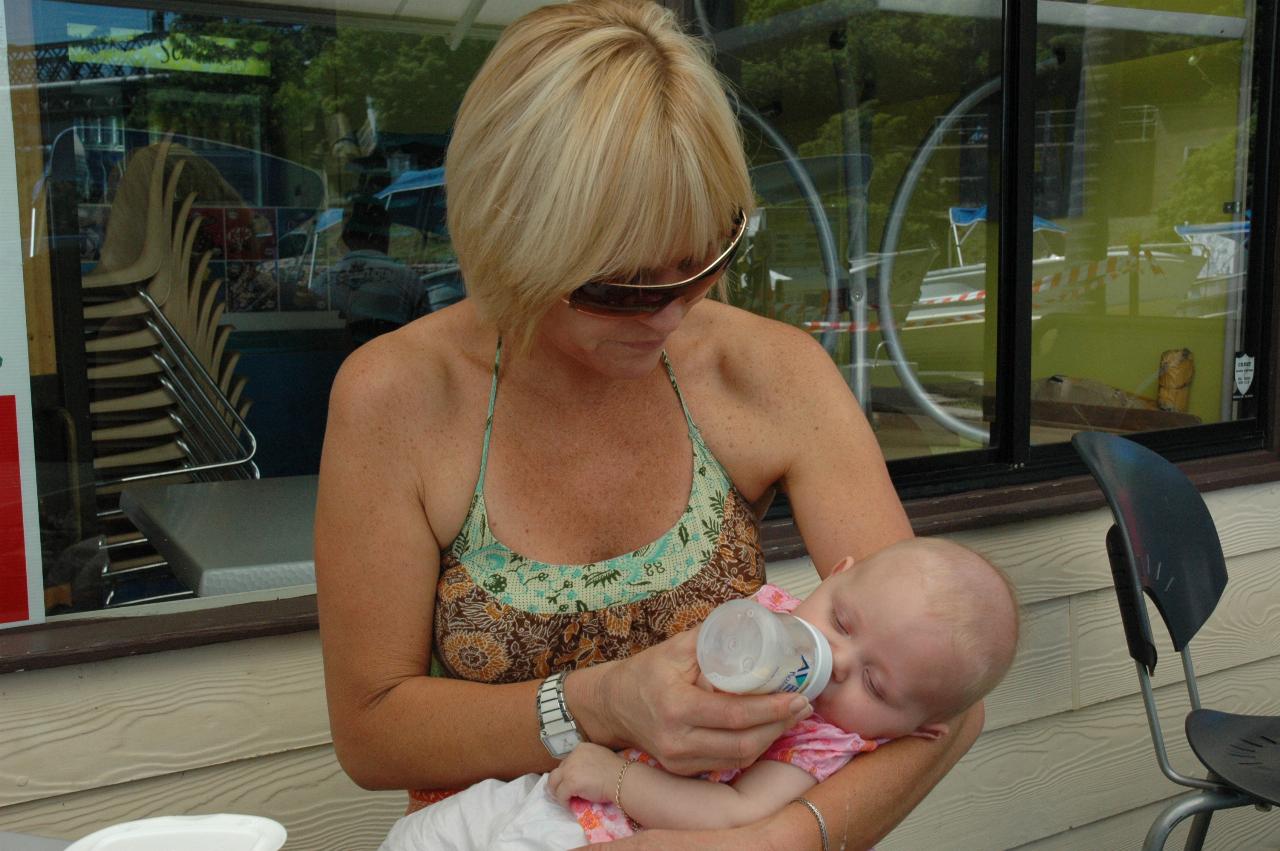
[919, 632]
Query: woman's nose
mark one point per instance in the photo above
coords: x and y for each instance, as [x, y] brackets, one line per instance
[668, 319]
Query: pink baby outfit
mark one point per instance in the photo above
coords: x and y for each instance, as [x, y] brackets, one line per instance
[819, 748]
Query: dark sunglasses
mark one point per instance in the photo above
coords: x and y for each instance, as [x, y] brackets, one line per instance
[615, 300]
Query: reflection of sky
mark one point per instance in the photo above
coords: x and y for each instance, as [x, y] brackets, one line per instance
[51, 19]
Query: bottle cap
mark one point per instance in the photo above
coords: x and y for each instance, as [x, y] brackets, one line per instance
[820, 676]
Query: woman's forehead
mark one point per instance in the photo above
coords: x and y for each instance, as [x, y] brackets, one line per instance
[665, 251]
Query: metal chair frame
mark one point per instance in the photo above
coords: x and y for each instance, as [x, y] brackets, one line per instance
[1210, 793]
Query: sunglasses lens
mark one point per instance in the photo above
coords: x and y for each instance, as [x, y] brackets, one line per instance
[618, 300]
[622, 300]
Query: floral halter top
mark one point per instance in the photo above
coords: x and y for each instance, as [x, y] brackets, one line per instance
[501, 617]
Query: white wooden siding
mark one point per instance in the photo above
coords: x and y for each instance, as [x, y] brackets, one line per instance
[1065, 762]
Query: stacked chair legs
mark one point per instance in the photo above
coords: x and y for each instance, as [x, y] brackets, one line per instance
[166, 404]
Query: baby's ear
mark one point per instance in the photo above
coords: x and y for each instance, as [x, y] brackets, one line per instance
[842, 565]
[933, 732]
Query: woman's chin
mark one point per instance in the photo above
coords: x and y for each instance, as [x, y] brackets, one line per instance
[645, 349]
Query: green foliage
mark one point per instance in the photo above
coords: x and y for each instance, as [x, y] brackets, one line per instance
[880, 77]
[1205, 180]
[415, 81]
[412, 79]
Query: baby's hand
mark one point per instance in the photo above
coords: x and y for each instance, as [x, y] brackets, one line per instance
[590, 772]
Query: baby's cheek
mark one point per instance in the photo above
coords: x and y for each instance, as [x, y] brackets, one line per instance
[839, 707]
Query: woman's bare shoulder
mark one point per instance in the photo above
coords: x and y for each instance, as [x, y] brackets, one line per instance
[761, 359]
[415, 372]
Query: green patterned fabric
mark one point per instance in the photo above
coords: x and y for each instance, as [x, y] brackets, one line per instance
[541, 588]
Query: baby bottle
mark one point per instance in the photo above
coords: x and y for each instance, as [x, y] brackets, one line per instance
[746, 649]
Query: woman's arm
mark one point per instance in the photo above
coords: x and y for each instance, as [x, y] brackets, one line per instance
[861, 803]
[377, 562]
[835, 477]
[844, 503]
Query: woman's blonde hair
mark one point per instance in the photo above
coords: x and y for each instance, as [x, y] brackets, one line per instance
[596, 142]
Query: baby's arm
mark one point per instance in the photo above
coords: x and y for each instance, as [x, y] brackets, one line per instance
[658, 799]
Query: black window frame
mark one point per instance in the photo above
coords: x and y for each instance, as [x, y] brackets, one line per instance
[1012, 460]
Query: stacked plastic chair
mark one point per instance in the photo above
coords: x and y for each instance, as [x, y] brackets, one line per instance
[165, 401]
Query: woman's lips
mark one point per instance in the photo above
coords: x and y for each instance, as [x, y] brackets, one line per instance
[643, 346]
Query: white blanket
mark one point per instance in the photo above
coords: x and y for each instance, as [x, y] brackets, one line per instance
[490, 816]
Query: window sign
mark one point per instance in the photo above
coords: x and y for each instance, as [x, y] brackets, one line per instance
[201, 54]
[20, 573]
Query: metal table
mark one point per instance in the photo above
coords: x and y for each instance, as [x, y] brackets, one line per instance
[233, 536]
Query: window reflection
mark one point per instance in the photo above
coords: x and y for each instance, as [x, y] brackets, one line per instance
[874, 136]
[265, 188]
[1141, 159]
[869, 129]
[301, 212]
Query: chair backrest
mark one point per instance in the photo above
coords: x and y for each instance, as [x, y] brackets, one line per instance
[1164, 541]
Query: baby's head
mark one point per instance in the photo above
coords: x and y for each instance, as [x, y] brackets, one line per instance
[919, 632]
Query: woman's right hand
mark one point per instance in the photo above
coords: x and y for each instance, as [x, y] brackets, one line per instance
[651, 700]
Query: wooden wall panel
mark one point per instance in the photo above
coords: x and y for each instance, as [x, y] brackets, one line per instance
[1244, 628]
[1041, 778]
[1039, 683]
[1230, 830]
[80, 727]
[305, 790]
[794, 575]
[1047, 560]
[1065, 555]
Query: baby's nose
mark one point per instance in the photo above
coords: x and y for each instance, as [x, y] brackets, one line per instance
[843, 660]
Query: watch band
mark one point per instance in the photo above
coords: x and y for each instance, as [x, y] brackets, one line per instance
[559, 732]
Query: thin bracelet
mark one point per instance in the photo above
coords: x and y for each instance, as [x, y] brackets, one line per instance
[617, 795]
[822, 823]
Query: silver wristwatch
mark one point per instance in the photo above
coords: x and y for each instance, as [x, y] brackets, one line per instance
[560, 733]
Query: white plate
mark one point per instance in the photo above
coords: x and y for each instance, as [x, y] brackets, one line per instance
[221, 832]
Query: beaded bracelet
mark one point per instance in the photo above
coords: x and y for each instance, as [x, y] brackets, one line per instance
[822, 823]
[617, 795]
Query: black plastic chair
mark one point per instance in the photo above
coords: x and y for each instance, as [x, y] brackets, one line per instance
[1164, 543]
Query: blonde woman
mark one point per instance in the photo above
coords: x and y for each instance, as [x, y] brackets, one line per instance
[562, 473]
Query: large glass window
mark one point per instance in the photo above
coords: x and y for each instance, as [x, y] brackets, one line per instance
[876, 139]
[217, 208]
[1143, 133]
[221, 207]
[874, 136]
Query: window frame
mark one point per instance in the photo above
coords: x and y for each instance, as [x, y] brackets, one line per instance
[1012, 460]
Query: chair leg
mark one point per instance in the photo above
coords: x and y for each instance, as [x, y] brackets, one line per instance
[1199, 829]
[1190, 804]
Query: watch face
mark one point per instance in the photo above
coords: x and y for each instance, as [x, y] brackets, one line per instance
[561, 744]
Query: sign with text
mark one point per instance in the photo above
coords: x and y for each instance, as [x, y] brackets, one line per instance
[21, 578]
[201, 54]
